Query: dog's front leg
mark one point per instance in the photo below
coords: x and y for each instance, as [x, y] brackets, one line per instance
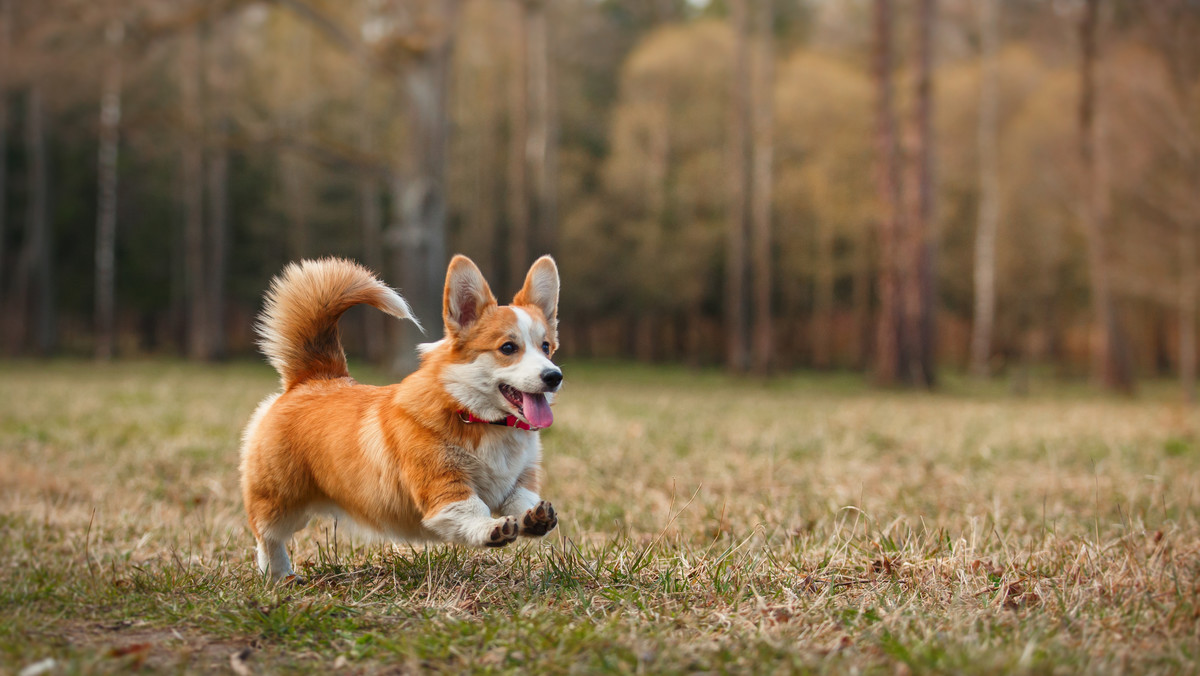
[535, 516]
[470, 522]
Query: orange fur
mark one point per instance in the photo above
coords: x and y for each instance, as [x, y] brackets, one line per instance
[391, 458]
[298, 326]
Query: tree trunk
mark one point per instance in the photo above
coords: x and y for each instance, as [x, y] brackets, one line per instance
[40, 240]
[887, 175]
[420, 235]
[220, 69]
[484, 174]
[106, 221]
[540, 147]
[1110, 359]
[1187, 311]
[919, 304]
[5, 66]
[106, 226]
[862, 302]
[823, 297]
[518, 148]
[218, 214]
[693, 342]
[1175, 38]
[989, 191]
[760, 233]
[177, 309]
[374, 329]
[736, 327]
[295, 169]
[198, 331]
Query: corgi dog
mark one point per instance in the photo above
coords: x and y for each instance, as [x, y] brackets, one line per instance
[449, 454]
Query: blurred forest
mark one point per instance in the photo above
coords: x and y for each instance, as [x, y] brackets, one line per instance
[894, 187]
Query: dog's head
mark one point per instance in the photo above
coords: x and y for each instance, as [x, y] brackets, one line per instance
[495, 360]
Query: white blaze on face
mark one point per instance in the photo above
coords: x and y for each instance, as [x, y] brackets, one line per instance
[476, 385]
[526, 374]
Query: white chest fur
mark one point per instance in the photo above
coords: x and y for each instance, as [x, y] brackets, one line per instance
[495, 465]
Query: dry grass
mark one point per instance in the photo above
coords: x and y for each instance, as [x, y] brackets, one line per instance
[806, 525]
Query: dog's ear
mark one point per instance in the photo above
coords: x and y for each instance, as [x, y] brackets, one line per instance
[466, 297]
[541, 289]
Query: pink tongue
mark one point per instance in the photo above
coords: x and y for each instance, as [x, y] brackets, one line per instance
[537, 410]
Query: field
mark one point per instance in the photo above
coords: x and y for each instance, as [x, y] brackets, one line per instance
[706, 524]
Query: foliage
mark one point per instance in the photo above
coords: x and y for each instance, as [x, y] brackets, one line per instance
[641, 115]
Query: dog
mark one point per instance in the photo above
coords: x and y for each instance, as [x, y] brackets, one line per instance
[449, 454]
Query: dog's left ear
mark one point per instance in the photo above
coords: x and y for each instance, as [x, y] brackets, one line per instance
[465, 297]
[541, 289]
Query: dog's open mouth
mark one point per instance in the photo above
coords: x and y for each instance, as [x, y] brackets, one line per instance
[532, 406]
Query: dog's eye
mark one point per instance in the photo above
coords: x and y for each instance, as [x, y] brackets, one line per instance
[546, 347]
[508, 348]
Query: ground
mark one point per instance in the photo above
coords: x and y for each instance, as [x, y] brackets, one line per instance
[807, 523]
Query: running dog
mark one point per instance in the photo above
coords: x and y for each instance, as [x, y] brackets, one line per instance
[449, 454]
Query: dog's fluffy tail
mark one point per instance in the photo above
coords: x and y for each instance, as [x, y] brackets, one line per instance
[298, 329]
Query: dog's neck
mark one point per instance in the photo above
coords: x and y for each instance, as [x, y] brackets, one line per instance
[509, 421]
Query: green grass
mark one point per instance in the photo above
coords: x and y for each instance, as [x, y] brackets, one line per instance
[706, 524]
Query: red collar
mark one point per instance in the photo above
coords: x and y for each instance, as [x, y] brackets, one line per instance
[510, 421]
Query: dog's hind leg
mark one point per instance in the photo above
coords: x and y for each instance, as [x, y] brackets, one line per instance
[273, 558]
[272, 536]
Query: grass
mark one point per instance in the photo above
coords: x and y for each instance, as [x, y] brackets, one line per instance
[807, 524]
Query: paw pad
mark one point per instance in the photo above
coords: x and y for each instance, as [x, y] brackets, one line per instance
[503, 533]
[539, 520]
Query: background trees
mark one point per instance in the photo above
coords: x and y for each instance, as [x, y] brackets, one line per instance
[989, 189]
[758, 184]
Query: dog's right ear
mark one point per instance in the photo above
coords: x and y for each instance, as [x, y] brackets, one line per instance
[467, 296]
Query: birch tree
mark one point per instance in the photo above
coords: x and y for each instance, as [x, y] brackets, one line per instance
[887, 175]
[518, 233]
[198, 332]
[1173, 25]
[418, 231]
[296, 169]
[532, 204]
[989, 189]
[369, 195]
[1110, 359]
[918, 339]
[761, 181]
[218, 77]
[106, 219]
[540, 149]
[736, 326]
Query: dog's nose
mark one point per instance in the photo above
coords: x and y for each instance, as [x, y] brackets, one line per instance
[552, 378]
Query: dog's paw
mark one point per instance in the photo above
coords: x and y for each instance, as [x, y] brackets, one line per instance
[504, 532]
[539, 520]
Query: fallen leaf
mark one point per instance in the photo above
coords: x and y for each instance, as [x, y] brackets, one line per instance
[139, 651]
[882, 565]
